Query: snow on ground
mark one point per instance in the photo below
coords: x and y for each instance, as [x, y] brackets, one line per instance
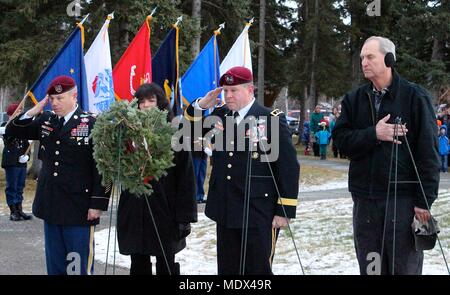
[323, 236]
[329, 185]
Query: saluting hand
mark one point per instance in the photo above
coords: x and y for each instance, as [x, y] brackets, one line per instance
[37, 109]
[211, 99]
[386, 131]
[94, 214]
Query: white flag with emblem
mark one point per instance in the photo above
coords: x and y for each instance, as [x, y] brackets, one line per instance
[99, 71]
[239, 54]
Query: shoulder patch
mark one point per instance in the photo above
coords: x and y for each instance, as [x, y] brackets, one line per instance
[276, 112]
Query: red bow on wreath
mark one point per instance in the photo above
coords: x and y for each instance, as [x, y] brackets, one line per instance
[130, 147]
[148, 179]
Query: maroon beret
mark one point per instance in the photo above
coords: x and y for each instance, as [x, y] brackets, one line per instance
[11, 108]
[236, 76]
[60, 85]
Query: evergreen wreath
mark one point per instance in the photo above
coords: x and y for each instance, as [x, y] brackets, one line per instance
[132, 147]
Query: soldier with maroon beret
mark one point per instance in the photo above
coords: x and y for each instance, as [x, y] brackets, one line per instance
[69, 195]
[243, 176]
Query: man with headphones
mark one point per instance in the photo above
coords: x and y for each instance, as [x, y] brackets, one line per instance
[366, 132]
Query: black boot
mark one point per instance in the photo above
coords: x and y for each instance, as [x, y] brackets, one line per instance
[161, 266]
[14, 215]
[176, 269]
[140, 265]
[21, 213]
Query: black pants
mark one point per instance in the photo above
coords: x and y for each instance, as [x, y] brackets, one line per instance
[335, 149]
[316, 148]
[368, 225]
[259, 255]
[141, 265]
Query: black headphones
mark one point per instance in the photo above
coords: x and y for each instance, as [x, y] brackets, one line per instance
[389, 60]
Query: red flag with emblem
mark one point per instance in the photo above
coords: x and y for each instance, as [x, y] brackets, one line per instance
[135, 66]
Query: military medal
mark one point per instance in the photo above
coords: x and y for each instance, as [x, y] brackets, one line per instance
[82, 130]
[47, 128]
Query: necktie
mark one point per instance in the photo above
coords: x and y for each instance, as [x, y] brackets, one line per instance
[236, 116]
[61, 122]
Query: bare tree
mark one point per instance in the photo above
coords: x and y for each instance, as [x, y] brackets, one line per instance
[312, 85]
[197, 17]
[303, 13]
[262, 41]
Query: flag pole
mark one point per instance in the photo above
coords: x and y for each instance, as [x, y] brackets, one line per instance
[153, 11]
[216, 33]
[149, 18]
[84, 19]
[177, 63]
[179, 20]
[221, 26]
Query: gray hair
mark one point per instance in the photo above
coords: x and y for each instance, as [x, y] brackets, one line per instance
[74, 89]
[386, 45]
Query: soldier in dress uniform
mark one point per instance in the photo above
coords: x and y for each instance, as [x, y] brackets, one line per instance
[272, 185]
[69, 195]
[14, 161]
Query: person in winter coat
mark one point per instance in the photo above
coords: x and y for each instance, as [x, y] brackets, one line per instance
[366, 131]
[306, 137]
[323, 138]
[443, 148]
[314, 127]
[160, 230]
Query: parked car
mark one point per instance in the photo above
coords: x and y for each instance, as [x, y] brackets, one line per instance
[3, 117]
[294, 114]
[292, 124]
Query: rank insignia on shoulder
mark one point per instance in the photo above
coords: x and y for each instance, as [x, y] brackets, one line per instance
[255, 155]
[276, 112]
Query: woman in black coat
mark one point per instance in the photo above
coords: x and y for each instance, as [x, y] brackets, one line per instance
[172, 204]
